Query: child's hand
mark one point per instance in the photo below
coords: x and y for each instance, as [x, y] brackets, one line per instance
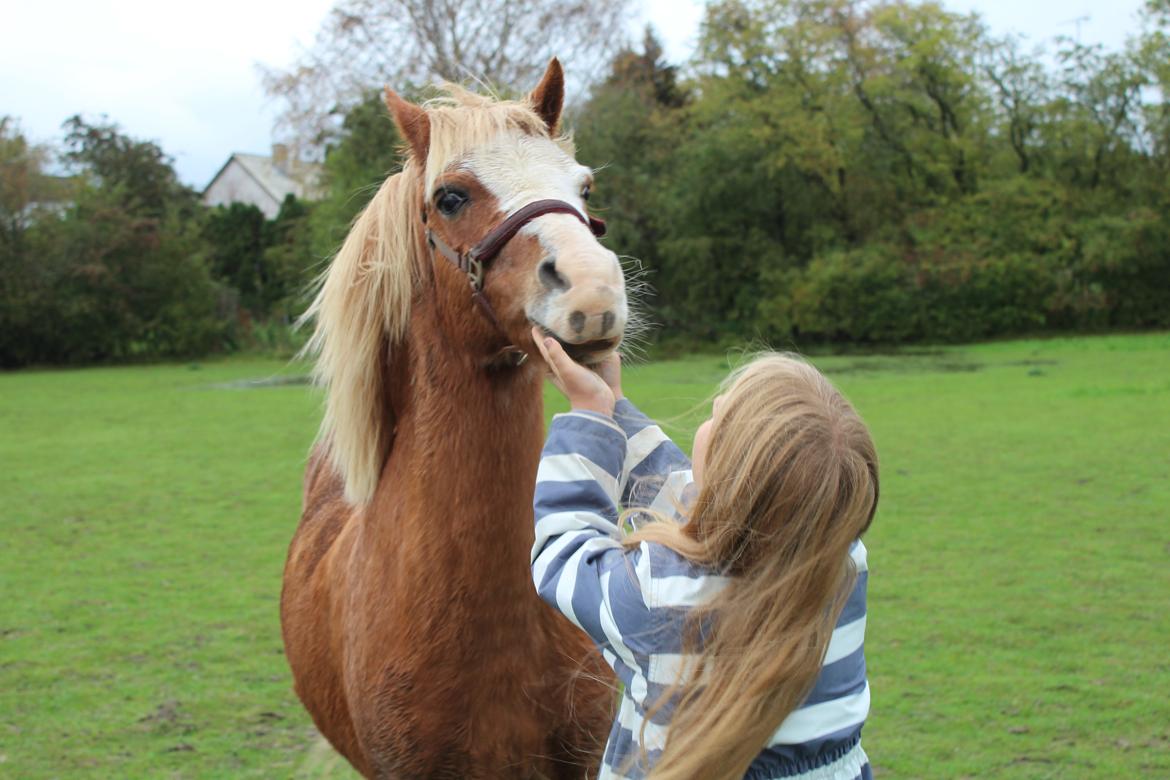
[610, 370]
[585, 389]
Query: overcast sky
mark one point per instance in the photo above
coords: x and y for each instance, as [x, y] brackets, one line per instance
[184, 74]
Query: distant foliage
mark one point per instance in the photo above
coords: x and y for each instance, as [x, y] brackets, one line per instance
[109, 269]
[887, 172]
[121, 262]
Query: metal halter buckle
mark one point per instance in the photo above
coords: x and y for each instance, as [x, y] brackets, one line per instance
[475, 272]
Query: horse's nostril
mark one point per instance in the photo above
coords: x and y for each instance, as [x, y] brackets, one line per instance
[607, 321]
[550, 277]
[577, 321]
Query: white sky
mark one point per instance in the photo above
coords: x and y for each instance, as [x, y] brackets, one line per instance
[184, 74]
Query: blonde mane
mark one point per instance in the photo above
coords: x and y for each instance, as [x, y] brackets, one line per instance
[362, 308]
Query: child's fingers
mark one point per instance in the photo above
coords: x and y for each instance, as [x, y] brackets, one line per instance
[554, 357]
[610, 370]
[539, 339]
[571, 378]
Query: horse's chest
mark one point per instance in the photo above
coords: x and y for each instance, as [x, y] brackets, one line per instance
[441, 722]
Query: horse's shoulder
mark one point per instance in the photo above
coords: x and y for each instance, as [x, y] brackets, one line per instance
[325, 510]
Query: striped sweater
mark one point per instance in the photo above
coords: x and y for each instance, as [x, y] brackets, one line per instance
[633, 603]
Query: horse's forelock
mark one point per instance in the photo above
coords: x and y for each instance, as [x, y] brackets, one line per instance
[462, 121]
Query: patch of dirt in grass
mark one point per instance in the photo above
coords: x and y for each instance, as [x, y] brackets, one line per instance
[928, 364]
[940, 362]
[1030, 363]
[270, 381]
[264, 723]
[1033, 760]
[168, 718]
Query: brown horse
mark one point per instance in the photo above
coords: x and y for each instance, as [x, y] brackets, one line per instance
[415, 637]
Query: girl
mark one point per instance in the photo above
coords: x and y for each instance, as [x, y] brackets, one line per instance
[737, 633]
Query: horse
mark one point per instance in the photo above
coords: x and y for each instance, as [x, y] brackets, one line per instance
[415, 636]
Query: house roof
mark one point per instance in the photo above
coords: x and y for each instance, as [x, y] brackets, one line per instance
[301, 179]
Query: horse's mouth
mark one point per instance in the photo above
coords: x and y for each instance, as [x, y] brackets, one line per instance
[587, 352]
[590, 352]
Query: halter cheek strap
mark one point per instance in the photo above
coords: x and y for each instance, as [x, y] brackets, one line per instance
[474, 261]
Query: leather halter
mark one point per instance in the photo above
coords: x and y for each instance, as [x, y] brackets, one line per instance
[474, 261]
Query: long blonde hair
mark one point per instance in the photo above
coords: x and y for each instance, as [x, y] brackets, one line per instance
[790, 481]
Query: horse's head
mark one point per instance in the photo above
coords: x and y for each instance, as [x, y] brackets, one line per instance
[474, 168]
[479, 166]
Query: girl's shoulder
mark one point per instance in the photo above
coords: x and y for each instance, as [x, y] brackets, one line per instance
[860, 555]
[670, 580]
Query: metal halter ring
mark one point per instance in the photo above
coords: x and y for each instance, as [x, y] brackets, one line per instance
[475, 272]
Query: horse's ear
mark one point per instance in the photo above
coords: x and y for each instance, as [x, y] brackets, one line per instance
[549, 96]
[412, 123]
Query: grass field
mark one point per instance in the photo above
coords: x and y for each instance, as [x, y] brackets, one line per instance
[1020, 588]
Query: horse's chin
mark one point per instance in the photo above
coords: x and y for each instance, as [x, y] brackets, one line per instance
[589, 353]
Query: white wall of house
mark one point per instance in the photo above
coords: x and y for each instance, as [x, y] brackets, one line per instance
[235, 184]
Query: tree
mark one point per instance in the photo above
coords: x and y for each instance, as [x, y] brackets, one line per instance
[626, 130]
[839, 170]
[357, 159]
[117, 271]
[138, 173]
[23, 181]
[237, 236]
[365, 44]
[1022, 90]
[914, 71]
[1097, 115]
[25, 285]
[1152, 53]
[289, 262]
[128, 286]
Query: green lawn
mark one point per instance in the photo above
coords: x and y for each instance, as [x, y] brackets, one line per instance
[1020, 562]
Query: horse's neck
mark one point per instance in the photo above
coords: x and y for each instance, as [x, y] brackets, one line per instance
[458, 484]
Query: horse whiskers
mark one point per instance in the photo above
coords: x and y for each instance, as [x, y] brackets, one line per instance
[638, 289]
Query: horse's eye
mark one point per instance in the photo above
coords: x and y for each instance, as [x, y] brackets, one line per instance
[450, 201]
[585, 192]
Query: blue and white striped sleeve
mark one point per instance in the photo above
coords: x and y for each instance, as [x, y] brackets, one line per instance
[578, 563]
[655, 471]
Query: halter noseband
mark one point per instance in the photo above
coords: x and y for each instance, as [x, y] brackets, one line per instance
[474, 261]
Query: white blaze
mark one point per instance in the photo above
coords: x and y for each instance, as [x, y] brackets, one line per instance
[520, 169]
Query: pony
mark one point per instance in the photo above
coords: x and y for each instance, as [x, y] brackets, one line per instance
[416, 639]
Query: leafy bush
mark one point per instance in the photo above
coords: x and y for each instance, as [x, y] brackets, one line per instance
[862, 295]
[102, 285]
[967, 298]
[1123, 268]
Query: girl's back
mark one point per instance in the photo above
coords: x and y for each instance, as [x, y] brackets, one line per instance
[739, 634]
